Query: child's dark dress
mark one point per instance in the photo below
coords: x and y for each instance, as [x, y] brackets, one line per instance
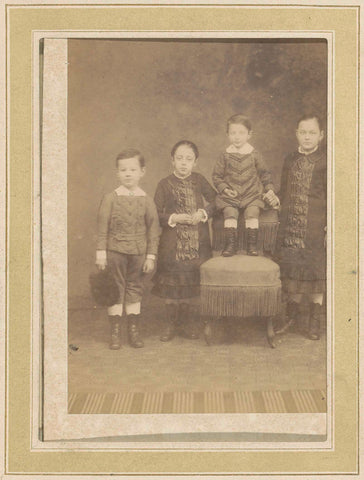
[300, 250]
[182, 248]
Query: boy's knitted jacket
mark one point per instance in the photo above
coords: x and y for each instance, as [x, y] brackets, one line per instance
[128, 223]
[245, 172]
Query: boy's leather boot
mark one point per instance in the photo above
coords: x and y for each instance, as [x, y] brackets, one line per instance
[133, 331]
[252, 239]
[170, 322]
[314, 325]
[230, 242]
[188, 321]
[115, 324]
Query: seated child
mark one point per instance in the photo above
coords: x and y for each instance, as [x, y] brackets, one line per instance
[244, 182]
[128, 232]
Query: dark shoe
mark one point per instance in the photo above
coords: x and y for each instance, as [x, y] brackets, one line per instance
[115, 323]
[292, 312]
[230, 239]
[252, 239]
[133, 332]
[314, 325]
[187, 322]
[171, 320]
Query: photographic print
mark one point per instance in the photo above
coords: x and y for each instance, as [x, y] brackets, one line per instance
[159, 101]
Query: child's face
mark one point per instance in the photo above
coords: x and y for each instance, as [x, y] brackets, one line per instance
[130, 172]
[238, 134]
[308, 134]
[184, 160]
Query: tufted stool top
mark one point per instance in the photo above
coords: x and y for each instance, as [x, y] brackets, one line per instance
[240, 270]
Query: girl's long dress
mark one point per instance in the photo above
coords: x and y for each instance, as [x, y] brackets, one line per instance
[300, 249]
[183, 248]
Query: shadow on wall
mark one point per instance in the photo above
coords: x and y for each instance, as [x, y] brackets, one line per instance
[150, 94]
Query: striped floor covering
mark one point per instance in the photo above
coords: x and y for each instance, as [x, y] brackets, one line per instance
[289, 401]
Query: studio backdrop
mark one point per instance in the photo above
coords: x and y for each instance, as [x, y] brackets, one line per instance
[149, 94]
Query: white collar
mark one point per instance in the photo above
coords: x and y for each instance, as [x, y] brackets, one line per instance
[244, 150]
[306, 153]
[125, 192]
[179, 176]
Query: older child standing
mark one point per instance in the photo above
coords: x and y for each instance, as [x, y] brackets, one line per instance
[243, 182]
[185, 240]
[301, 242]
[127, 242]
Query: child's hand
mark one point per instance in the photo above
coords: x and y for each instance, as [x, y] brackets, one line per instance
[101, 263]
[183, 218]
[230, 192]
[197, 217]
[271, 198]
[148, 265]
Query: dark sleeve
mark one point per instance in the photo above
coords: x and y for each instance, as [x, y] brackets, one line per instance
[263, 172]
[284, 179]
[103, 220]
[152, 223]
[160, 203]
[218, 175]
[209, 195]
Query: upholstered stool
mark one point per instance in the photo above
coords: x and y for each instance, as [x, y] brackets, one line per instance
[268, 227]
[240, 286]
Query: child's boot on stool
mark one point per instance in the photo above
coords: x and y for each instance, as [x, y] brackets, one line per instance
[314, 325]
[252, 239]
[230, 242]
[115, 324]
[170, 324]
[133, 331]
[188, 321]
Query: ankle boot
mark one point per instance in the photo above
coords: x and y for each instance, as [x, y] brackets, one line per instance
[314, 325]
[115, 323]
[292, 312]
[170, 323]
[230, 239]
[252, 238]
[133, 331]
[188, 321]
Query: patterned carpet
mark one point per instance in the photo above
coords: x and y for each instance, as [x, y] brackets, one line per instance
[289, 401]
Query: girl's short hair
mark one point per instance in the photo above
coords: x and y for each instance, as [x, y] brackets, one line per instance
[310, 116]
[187, 143]
[240, 120]
[130, 153]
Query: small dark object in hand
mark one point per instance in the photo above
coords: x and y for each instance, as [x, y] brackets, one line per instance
[104, 289]
[73, 347]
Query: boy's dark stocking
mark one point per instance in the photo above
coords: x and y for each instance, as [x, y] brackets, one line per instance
[170, 324]
[230, 239]
[133, 331]
[188, 321]
[314, 325]
[115, 324]
[252, 239]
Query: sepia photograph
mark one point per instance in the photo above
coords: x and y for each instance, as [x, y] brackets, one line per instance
[196, 220]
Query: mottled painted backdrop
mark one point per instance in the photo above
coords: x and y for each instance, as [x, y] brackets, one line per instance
[150, 94]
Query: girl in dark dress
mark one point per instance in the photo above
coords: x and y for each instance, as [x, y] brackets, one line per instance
[185, 239]
[301, 242]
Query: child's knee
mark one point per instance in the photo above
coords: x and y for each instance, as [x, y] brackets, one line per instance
[231, 212]
[252, 212]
